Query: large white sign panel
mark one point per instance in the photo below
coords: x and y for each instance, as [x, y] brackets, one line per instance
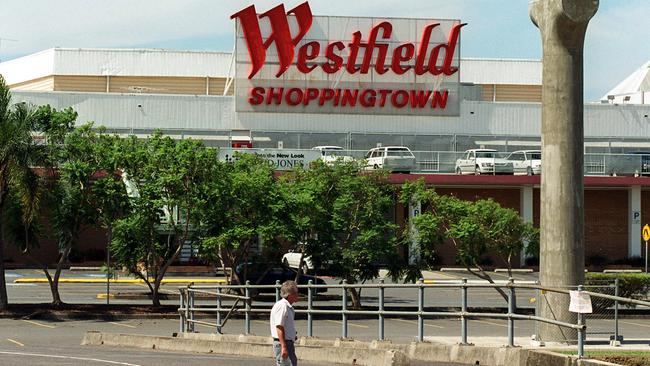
[299, 63]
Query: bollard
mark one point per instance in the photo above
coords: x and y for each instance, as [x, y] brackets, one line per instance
[381, 309]
[277, 290]
[463, 319]
[247, 321]
[581, 332]
[511, 310]
[219, 304]
[190, 305]
[344, 309]
[310, 330]
[420, 310]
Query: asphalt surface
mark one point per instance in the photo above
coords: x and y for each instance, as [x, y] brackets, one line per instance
[46, 342]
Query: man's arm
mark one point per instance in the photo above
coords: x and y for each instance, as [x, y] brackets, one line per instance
[285, 353]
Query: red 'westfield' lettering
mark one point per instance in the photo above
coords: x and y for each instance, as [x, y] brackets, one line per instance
[425, 61]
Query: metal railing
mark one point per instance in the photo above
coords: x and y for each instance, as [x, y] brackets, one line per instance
[188, 307]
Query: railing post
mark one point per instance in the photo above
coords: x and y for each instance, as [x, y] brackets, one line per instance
[190, 305]
[247, 321]
[277, 290]
[511, 310]
[219, 304]
[344, 309]
[616, 336]
[182, 312]
[420, 310]
[310, 330]
[581, 331]
[381, 309]
[463, 306]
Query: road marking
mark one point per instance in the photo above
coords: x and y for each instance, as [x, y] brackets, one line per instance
[414, 322]
[637, 324]
[39, 324]
[15, 342]
[123, 325]
[350, 324]
[68, 358]
[489, 323]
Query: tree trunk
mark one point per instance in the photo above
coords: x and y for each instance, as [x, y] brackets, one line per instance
[4, 303]
[155, 294]
[54, 283]
[355, 297]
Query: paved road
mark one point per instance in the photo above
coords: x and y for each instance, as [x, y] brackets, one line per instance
[41, 342]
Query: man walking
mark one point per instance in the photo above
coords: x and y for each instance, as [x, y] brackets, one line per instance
[283, 328]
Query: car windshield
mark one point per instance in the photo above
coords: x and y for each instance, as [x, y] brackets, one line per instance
[332, 151]
[485, 154]
[536, 156]
[399, 152]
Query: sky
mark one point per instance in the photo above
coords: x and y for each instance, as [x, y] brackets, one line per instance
[616, 45]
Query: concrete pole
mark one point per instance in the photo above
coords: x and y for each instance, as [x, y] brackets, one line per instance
[562, 24]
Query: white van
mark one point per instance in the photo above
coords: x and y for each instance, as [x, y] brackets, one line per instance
[332, 154]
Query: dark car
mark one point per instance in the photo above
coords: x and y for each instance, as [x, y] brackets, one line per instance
[269, 273]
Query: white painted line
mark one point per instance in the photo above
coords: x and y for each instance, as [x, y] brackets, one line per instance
[68, 358]
[415, 322]
[637, 324]
[489, 323]
[350, 324]
[39, 324]
[15, 342]
[123, 325]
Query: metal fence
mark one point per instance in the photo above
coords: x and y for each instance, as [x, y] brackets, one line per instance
[189, 308]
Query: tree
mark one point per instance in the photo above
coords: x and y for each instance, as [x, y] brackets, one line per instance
[476, 229]
[17, 154]
[349, 219]
[167, 179]
[246, 205]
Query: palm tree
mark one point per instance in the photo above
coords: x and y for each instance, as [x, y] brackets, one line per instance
[16, 155]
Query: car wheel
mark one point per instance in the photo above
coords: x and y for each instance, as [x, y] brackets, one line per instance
[477, 170]
[375, 166]
[285, 262]
[529, 171]
[458, 171]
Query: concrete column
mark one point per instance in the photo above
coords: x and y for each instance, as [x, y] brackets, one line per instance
[635, 222]
[562, 24]
[526, 212]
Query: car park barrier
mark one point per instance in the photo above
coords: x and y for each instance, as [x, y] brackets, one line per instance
[189, 307]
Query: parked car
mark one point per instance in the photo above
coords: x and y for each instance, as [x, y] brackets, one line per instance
[292, 260]
[393, 158]
[268, 273]
[482, 161]
[332, 154]
[528, 162]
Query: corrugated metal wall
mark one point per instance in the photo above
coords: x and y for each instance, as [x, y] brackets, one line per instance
[40, 84]
[207, 113]
[139, 84]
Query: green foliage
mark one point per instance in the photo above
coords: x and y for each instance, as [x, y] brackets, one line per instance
[475, 228]
[631, 285]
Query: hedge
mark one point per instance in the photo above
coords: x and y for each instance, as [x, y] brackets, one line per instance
[631, 285]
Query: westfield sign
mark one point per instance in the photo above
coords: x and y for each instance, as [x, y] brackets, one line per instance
[377, 69]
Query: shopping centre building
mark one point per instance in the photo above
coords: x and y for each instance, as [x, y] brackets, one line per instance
[307, 94]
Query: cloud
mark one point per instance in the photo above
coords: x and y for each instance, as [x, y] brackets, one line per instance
[616, 44]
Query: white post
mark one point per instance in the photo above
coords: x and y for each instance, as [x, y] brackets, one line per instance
[634, 221]
[526, 212]
[415, 208]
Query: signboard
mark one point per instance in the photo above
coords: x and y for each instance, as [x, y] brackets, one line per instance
[294, 62]
[580, 302]
[279, 159]
[646, 232]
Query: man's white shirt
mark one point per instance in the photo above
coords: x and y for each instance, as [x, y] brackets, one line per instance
[283, 314]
